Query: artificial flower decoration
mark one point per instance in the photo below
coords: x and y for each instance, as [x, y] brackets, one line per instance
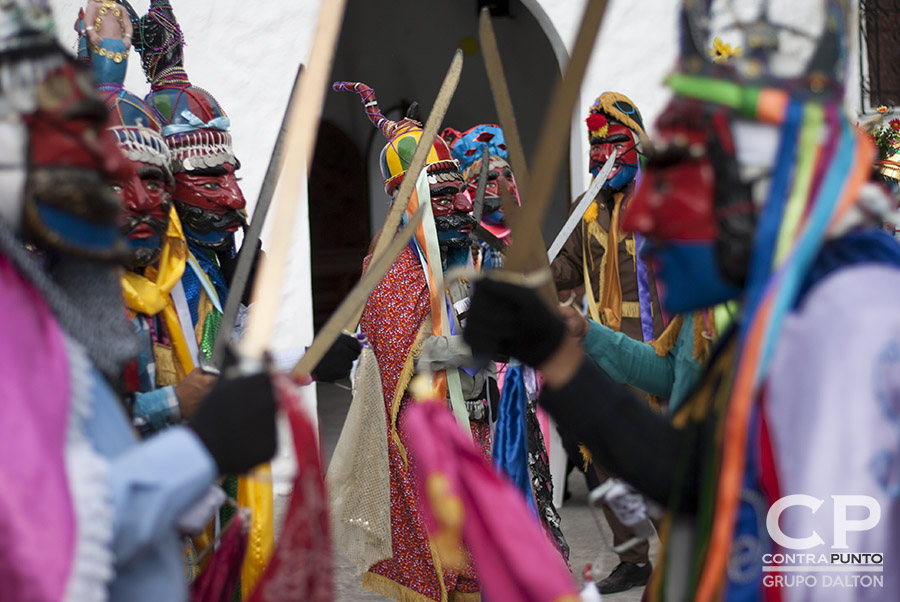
[722, 52]
[886, 135]
[598, 126]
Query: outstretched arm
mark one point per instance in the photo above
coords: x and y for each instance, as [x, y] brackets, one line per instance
[624, 436]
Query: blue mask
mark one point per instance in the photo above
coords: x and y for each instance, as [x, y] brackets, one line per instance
[691, 275]
[621, 178]
[494, 218]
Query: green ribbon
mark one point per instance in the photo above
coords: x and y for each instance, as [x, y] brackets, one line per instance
[729, 94]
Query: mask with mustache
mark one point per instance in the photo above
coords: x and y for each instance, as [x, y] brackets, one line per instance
[448, 227]
[209, 229]
[145, 251]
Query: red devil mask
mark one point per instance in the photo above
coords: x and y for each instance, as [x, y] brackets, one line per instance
[691, 189]
[68, 204]
[210, 204]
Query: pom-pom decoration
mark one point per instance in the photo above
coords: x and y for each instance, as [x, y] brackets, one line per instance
[597, 125]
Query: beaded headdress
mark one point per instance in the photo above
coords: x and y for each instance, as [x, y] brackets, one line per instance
[159, 40]
[193, 122]
[402, 137]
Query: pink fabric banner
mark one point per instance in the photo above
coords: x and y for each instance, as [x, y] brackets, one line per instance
[37, 523]
[464, 496]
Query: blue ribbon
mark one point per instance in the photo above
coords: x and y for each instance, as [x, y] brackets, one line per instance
[511, 443]
[770, 220]
[194, 123]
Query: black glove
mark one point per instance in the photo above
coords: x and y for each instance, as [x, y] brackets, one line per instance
[338, 360]
[492, 392]
[236, 422]
[229, 265]
[506, 319]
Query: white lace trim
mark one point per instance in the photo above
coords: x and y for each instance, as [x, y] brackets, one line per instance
[88, 473]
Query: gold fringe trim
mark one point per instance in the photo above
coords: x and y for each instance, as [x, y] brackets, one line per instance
[664, 343]
[595, 231]
[704, 334]
[465, 597]
[713, 327]
[586, 456]
[438, 567]
[391, 589]
[631, 309]
[403, 381]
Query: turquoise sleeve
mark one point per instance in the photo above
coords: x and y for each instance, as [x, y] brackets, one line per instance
[629, 361]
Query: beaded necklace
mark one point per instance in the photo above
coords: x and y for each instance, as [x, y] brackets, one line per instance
[153, 56]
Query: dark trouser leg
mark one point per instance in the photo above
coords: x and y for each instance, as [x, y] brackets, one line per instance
[638, 553]
[595, 477]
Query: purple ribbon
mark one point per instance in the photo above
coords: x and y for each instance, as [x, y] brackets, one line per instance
[643, 291]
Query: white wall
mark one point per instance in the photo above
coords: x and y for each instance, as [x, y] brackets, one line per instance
[637, 46]
[247, 58]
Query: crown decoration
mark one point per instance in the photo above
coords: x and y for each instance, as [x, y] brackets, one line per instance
[402, 138]
[201, 149]
[598, 126]
[195, 127]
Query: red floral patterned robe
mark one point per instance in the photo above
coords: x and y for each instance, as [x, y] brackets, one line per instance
[391, 320]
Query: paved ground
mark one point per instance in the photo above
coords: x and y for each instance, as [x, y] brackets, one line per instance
[583, 534]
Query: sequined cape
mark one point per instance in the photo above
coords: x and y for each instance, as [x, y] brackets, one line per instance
[392, 319]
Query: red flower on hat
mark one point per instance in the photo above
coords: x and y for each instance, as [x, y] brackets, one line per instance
[895, 124]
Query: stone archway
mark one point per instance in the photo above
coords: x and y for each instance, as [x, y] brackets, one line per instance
[402, 48]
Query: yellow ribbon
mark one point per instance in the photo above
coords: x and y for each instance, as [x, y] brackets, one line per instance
[255, 492]
[611, 298]
[149, 293]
